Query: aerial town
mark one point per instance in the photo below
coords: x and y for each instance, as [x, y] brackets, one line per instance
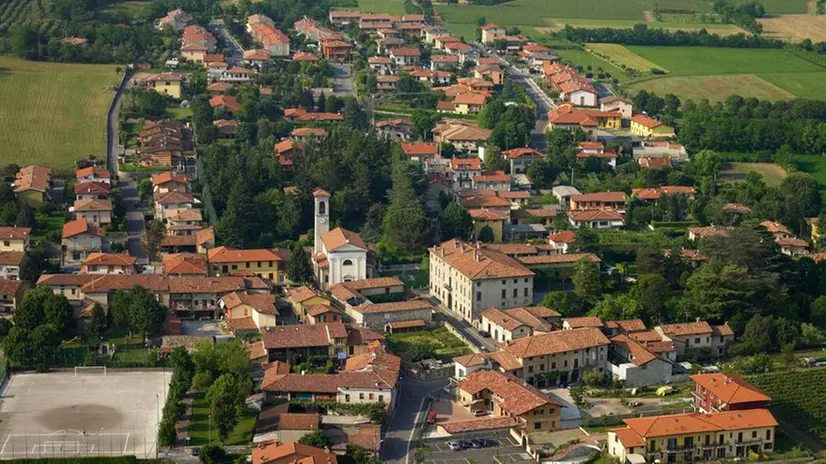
[362, 232]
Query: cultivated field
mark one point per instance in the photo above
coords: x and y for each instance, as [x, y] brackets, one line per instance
[803, 85]
[772, 173]
[556, 24]
[586, 59]
[814, 165]
[711, 60]
[53, 113]
[394, 7]
[60, 414]
[620, 55]
[795, 27]
[715, 88]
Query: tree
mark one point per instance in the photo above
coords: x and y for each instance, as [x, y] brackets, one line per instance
[17, 346]
[566, 303]
[759, 334]
[406, 224]
[708, 163]
[226, 402]
[354, 115]
[299, 268]
[236, 223]
[316, 439]
[803, 197]
[25, 217]
[58, 312]
[818, 308]
[810, 336]
[213, 454]
[587, 281]
[652, 291]
[456, 222]
[422, 122]
[494, 161]
[96, 326]
[618, 307]
[44, 342]
[152, 239]
[5, 328]
[541, 173]
[138, 310]
[486, 234]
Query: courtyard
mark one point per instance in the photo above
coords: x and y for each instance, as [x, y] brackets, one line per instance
[95, 412]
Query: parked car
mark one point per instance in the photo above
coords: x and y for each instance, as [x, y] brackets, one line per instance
[481, 412]
[484, 333]
[474, 444]
[486, 443]
[465, 444]
[455, 445]
[431, 417]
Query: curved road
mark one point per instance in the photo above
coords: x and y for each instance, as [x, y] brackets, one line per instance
[128, 184]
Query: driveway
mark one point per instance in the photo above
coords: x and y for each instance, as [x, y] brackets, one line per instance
[202, 328]
[342, 80]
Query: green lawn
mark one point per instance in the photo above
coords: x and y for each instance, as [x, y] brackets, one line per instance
[394, 7]
[447, 345]
[418, 278]
[53, 113]
[468, 31]
[179, 113]
[715, 88]
[199, 428]
[585, 59]
[692, 61]
[772, 173]
[129, 352]
[814, 165]
[802, 85]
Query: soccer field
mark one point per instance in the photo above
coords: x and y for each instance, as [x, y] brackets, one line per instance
[53, 113]
[60, 414]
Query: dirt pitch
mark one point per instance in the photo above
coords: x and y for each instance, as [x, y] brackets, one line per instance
[795, 27]
[60, 414]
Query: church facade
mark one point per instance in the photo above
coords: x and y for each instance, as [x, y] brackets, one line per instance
[339, 255]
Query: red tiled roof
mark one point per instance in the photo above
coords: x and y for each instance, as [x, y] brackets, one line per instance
[512, 395]
[560, 341]
[730, 387]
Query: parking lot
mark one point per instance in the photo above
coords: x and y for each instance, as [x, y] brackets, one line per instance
[507, 451]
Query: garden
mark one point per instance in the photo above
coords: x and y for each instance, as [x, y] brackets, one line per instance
[435, 343]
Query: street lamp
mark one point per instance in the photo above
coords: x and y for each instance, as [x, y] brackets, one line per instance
[158, 405]
[210, 428]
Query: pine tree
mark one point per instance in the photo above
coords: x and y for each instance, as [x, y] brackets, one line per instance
[25, 218]
[96, 327]
[406, 225]
[233, 227]
[299, 269]
[486, 234]
[456, 222]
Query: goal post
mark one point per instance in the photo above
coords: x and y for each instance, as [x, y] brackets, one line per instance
[90, 370]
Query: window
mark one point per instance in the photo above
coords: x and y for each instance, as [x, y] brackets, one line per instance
[768, 434]
[526, 280]
[6, 243]
[361, 396]
[515, 292]
[530, 369]
[526, 291]
[553, 365]
[381, 398]
[347, 262]
[322, 208]
[697, 340]
[541, 367]
[259, 264]
[504, 294]
[504, 282]
[478, 296]
[739, 437]
[537, 425]
[371, 396]
[347, 398]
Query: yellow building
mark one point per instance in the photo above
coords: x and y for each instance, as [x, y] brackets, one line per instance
[194, 53]
[166, 83]
[504, 395]
[260, 262]
[694, 436]
[32, 184]
[469, 103]
[644, 126]
[488, 217]
[259, 308]
[303, 298]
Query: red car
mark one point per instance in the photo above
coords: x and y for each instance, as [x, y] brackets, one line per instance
[431, 417]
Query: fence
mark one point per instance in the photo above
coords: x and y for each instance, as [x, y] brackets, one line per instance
[39, 443]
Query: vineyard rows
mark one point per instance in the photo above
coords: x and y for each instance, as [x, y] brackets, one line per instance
[798, 396]
[32, 12]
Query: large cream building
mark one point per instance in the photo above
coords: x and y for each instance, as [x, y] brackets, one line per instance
[469, 279]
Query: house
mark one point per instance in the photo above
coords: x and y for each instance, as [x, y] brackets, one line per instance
[80, 238]
[166, 83]
[613, 201]
[697, 338]
[336, 49]
[92, 191]
[484, 278]
[559, 356]
[483, 217]
[614, 103]
[202, 241]
[10, 262]
[32, 184]
[324, 314]
[707, 232]
[396, 129]
[403, 56]
[420, 152]
[463, 135]
[97, 212]
[628, 326]
[563, 193]
[490, 72]
[344, 18]
[237, 75]
[510, 324]
[302, 298]
[463, 170]
[227, 128]
[166, 202]
[380, 65]
[196, 34]
[339, 255]
[194, 52]
[262, 30]
[185, 264]
[504, 395]
[491, 33]
[386, 83]
[560, 241]
[595, 219]
[597, 150]
[632, 363]
[581, 322]
[176, 20]
[693, 436]
[183, 221]
[647, 127]
[567, 117]
[391, 315]
[169, 181]
[296, 343]
[275, 453]
[265, 263]
[108, 263]
[520, 158]
[304, 57]
[302, 133]
[793, 246]
[491, 180]
[11, 295]
[443, 62]
[93, 174]
[302, 115]
[257, 308]
[227, 102]
[15, 238]
[256, 57]
[469, 102]
[653, 194]
[726, 391]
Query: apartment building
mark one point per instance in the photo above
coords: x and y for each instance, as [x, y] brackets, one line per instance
[693, 436]
[468, 279]
[565, 353]
[510, 324]
[262, 262]
[726, 391]
[697, 337]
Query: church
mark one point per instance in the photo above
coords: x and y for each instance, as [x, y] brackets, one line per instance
[339, 255]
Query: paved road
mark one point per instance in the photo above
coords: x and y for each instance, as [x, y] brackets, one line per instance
[343, 80]
[408, 412]
[467, 330]
[236, 50]
[129, 188]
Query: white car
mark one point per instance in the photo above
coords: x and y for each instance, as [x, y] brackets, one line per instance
[454, 445]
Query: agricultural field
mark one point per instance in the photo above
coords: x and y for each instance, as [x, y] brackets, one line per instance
[797, 397]
[621, 56]
[802, 85]
[815, 165]
[556, 24]
[585, 59]
[694, 61]
[714, 88]
[394, 7]
[795, 27]
[53, 113]
[19, 11]
[773, 174]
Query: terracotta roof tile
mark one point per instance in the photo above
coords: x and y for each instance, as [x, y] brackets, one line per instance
[340, 237]
[730, 387]
[686, 328]
[15, 233]
[479, 263]
[560, 341]
[512, 395]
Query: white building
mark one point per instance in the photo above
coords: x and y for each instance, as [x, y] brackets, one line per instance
[339, 255]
